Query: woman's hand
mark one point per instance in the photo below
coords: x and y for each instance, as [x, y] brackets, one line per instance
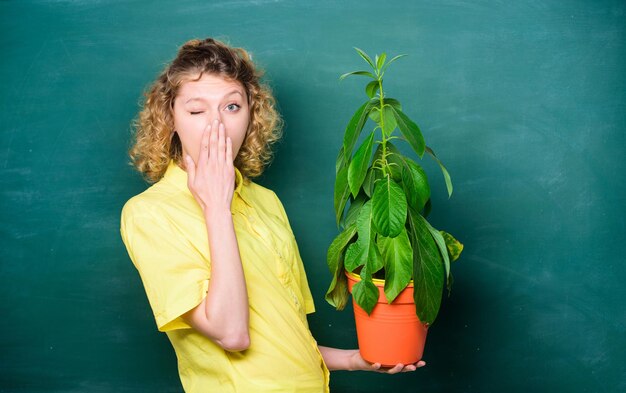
[351, 360]
[358, 363]
[212, 180]
[223, 315]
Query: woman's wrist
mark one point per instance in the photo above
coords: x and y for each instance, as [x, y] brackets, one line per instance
[217, 214]
[352, 363]
[340, 359]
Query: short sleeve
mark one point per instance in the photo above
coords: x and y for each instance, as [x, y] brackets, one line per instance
[299, 272]
[174, 274]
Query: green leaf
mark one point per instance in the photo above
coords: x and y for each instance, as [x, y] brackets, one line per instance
[360, 252]
[363, 73]
[365, 57]
[389, 120]
[365, 294]
[380, 61]
[359, 164]
[353, 130]
[378, 153]
[398, 262]
[395, 160]
[354, 209]
[375, 115]
[340, 162]
[355, 255]
[388, 207]
[335, 250]
[373, 174]
[374, 260]
[342, 193]
[355, 125]
[394, 103]
[415, 184]
[410, 131]
[388, 117]
[428, 275]
[446, 175]
[372, 88]
[441, 244]
[454, 246]
[391, 61]
[337, 294]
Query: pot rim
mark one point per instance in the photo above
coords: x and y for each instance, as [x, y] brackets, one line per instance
[377, 281]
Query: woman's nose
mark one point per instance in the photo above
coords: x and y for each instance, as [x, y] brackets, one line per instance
[215, 115]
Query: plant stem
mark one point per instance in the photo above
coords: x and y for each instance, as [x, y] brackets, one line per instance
[382, 127]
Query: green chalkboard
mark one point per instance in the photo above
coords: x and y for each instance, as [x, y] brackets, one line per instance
[524, 101]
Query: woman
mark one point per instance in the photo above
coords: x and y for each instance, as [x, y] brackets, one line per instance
[214, 250]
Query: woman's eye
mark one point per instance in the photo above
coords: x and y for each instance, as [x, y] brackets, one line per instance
[232, 107]
[195, 112]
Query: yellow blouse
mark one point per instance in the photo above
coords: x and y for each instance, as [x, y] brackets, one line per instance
[165, 234]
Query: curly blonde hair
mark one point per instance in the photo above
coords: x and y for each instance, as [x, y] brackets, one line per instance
[155, 143]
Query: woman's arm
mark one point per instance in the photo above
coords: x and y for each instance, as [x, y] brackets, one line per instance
[351, 360]
[223, 315]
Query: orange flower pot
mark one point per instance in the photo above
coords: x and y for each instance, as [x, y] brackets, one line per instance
[392, 333]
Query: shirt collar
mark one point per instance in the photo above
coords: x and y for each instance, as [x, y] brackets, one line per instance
[178, 177]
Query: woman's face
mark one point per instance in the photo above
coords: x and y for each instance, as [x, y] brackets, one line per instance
[210, 98]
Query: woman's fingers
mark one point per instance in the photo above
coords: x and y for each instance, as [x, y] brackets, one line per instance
[396, 369]
[191, 169]
[399, 368]
[361, 364]
[409, 368]
[221, 144]
[211, 180]
[204, 146]
[213, 140]
[229, 152]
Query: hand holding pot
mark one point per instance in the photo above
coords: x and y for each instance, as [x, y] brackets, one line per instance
[358, 363]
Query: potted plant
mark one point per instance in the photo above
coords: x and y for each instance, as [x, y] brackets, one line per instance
[387, 254]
